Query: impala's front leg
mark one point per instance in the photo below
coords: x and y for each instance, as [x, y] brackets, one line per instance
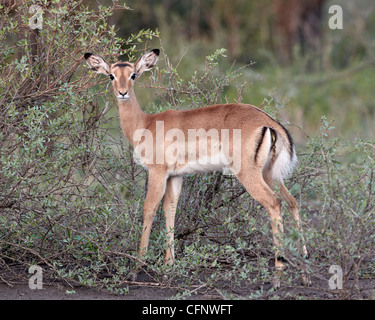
[156, 189]
[172, 194]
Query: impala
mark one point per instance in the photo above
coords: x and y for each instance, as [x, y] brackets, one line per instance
[264, 147]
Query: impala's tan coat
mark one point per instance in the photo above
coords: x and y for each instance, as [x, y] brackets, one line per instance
[267, 153]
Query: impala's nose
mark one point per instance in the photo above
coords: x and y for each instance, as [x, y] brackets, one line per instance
[123, 94]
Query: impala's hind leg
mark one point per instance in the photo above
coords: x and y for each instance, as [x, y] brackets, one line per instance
[254, 183]
[293, 208]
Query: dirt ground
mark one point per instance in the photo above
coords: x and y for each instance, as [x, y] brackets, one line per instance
[61, 292]
[145, 289]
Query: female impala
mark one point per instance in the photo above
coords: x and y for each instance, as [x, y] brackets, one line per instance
[266, 150]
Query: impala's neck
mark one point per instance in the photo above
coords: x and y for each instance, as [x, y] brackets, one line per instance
[131, 116]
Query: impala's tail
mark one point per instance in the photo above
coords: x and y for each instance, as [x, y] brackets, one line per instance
[275, 149]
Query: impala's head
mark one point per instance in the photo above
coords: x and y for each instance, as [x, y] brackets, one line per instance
[123, 74]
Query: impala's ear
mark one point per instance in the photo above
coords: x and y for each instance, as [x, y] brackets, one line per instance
[97, 63]
[147, 61]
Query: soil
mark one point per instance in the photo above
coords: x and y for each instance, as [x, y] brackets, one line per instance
[58, 290]
[145, 289]
[61, 292]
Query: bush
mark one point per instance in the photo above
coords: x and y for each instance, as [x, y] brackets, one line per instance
[60, 202]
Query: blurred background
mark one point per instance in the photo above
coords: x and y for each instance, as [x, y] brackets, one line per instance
[302, 65]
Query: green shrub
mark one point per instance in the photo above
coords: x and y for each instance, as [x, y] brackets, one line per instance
[63, 178]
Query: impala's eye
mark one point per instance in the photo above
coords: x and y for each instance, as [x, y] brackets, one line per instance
[133, 76]
[111, 76]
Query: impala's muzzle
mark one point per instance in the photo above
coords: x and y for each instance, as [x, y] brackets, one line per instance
[123, 95]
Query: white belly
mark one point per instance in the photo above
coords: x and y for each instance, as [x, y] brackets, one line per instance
[205, 164]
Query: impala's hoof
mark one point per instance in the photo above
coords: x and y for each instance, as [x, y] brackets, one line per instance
[132, 276]
[306, 280]
[276, 283]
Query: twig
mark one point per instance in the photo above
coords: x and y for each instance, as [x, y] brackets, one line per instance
[9, 284]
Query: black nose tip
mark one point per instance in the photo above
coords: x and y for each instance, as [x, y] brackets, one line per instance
[123, 94]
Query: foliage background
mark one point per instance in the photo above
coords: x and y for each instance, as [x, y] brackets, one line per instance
[71, 195]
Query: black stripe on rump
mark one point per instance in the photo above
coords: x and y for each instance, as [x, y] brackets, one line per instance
[290, 140]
